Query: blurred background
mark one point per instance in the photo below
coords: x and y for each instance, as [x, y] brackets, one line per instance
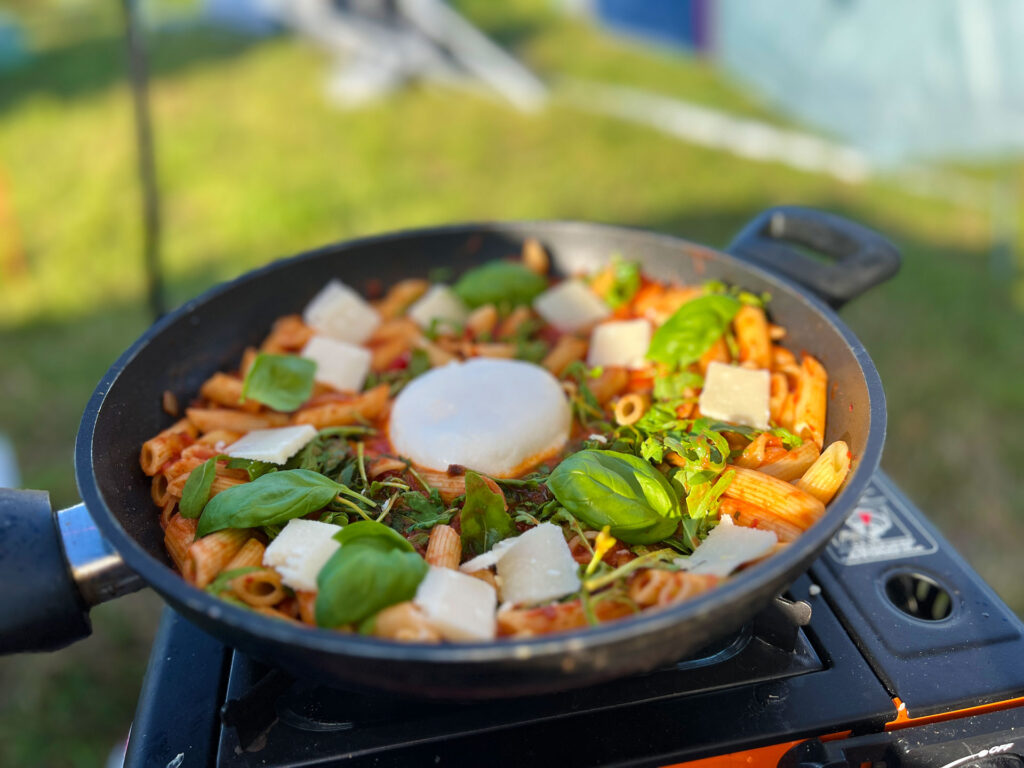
[281, 125]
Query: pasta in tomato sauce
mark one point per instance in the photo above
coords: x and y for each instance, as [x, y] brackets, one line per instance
[511, 455]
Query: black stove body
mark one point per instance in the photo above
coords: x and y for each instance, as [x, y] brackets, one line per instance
[901, 637]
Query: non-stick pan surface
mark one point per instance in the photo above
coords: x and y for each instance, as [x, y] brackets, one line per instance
[210, 333]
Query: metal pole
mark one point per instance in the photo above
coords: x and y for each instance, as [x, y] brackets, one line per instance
[138, 69]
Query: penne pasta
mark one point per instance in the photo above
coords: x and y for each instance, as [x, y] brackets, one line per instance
[824, 477]
[288, 334]
[793, 464]
[561, 617]
[261, 588]
[209, 555]
[400, 297]
[787, 501]
[250, 555]
[566, 351]
[215, 419]
[405, 621]
[362, 408]
[224, 389]
[535, 258]
[751, 328]
[811, 403]
[444, 548]
[752, 516]
[179, 534]
[482, 321]
[650, 587]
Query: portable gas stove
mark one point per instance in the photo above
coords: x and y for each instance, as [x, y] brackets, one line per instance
[890, 651]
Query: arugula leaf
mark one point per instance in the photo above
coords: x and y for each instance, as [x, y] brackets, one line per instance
[485, 521]
[625, 282]
[268, 500]
[253, 467]
[789, 440]
[674, 386]
[374, 568]
[618, 490]
[702, 500]
[691, 331]
[503, 283]
[425, 512]
[220, 584]
[196, 492]
[284, 382]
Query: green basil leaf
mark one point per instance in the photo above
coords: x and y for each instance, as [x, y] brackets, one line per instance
[484, 519]
[619, 490]
[253, 467]
[374, 568]
[503, 283]
[284, 382]
[196, 492]
[691, 331]
[268, 500]
[425, 511]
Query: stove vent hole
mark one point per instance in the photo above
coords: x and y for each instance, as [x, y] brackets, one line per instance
[919, 596]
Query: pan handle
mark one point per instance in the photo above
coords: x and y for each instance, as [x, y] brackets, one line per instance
[57, 566]
[854, 258]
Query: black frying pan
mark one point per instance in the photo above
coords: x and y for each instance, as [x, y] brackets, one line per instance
[209, 333]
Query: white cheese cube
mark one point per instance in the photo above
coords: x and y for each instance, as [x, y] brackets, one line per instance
[341, 313]
[338, 364]
[460, 607]
[735, 394]
[620, 342]
[275, 445]
[538, 567]
[728, 547]
[441, 306]
[571, 306]
[300, 550]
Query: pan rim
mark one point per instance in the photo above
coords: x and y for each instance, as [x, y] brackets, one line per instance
[170, 584]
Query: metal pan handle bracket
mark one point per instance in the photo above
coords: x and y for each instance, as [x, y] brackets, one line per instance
[58, 567]
[848, 258]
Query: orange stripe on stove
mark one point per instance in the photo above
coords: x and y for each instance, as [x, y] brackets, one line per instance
[904, 719]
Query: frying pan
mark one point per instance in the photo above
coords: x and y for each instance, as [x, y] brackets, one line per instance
[57, 565]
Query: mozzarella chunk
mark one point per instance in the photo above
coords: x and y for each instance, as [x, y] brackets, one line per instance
[620, 342]
[490, 415]
[538, 567]
[275, 445]
[571, 306]
[439, 305]
[341, 313]
[739, 395]
[300, 550]
[728, 547]
[338, 364]
[460, 607]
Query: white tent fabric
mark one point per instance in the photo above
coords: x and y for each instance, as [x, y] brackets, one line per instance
[901, 79]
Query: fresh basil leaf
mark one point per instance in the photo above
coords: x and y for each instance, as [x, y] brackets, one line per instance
[268, 500]
[502, 283]
[284, 382]
[484, 518]
[374, 568]
[253, 467]
[618, 490]
[196, 492]
[674, 386]
[691, 331]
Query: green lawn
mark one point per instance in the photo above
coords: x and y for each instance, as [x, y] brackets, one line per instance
[254, 164]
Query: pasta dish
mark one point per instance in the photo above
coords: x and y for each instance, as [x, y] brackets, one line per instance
[503, 454]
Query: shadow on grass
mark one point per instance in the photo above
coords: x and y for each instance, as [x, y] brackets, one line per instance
[81, 69]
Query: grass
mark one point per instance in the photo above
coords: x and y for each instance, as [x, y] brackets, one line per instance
[255, 164]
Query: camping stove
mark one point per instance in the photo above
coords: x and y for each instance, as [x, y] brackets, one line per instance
[891, 651]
